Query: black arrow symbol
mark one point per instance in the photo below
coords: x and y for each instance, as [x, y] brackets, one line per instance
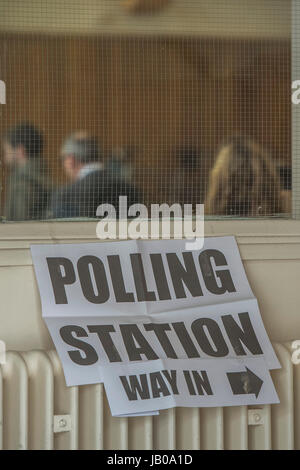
[244, 382]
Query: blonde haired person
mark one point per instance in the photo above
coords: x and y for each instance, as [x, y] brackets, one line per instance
[243, 181]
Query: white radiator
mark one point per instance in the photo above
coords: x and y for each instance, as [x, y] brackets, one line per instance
[37, 411]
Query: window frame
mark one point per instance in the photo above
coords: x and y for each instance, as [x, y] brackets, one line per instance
[255, 227]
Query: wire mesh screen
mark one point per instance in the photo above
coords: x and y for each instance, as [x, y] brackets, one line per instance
[161, 101]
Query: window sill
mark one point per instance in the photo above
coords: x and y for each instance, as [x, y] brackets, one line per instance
[271, 239]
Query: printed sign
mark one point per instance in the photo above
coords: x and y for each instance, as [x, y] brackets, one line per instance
[169, 383]
[137, 308]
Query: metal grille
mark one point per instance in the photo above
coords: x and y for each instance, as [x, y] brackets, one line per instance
[37, 411]
[162, 101]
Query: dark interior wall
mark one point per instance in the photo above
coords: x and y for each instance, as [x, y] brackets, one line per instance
[154, 95]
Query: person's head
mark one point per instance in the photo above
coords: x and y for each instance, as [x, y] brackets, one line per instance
[22, 143]
[78, 150]
[243, 181]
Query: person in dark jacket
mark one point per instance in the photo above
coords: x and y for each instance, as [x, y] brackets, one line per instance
[90, 183]
[27, 184]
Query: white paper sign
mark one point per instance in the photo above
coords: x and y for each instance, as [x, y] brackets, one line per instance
[169, 383]
[233, 330]
[137, 277]
[123, 305]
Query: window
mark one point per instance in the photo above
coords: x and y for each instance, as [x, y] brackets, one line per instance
[160, 101]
